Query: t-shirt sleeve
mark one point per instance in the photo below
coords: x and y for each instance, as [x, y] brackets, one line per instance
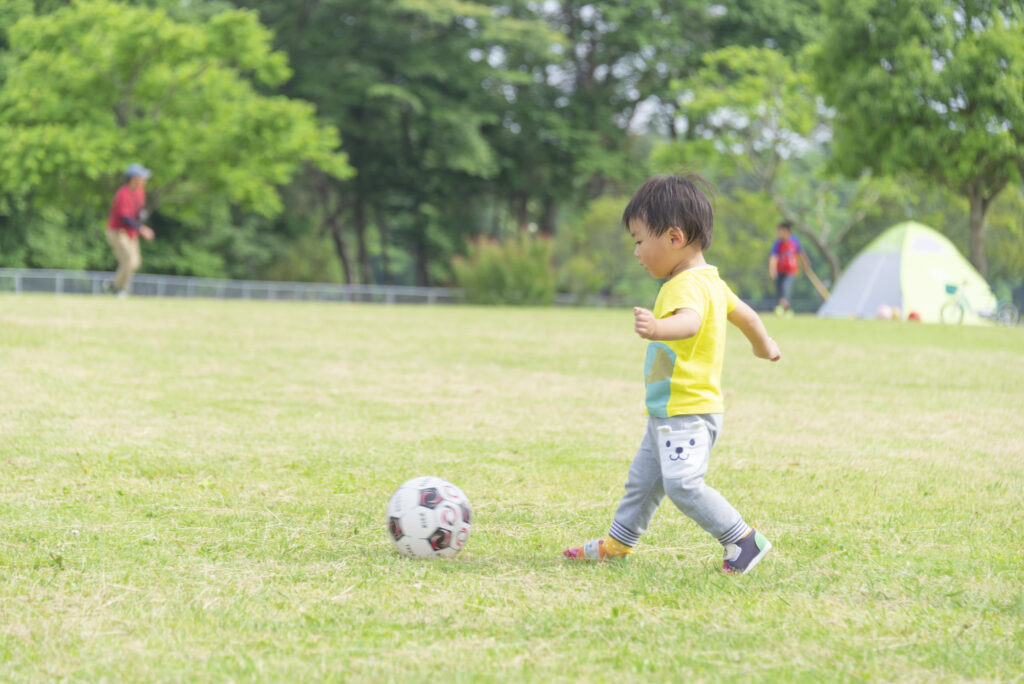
[686, 295]
[775, 248]
[731, 300]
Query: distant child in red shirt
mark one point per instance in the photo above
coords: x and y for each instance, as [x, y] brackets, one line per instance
[784, 264]
[125, 225]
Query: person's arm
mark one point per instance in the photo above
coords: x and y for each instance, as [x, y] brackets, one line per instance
[681, 325]
[773, 266]
[750, 324]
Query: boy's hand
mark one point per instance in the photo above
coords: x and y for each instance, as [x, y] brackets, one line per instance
[770, 350]
[644, 323]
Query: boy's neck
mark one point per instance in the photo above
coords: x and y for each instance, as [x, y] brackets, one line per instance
[692, 257]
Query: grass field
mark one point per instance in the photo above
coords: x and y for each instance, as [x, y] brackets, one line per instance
[195, 491]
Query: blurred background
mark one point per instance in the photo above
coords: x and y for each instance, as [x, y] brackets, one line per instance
[492, 145]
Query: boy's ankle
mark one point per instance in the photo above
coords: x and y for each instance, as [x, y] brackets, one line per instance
[599, 550]
[613, 548]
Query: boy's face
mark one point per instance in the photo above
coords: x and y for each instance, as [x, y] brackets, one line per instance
[655, 252]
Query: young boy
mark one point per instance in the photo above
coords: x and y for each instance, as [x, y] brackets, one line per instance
[784, 265]
[670, 219]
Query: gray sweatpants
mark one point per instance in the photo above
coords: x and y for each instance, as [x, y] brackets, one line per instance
[672, 460]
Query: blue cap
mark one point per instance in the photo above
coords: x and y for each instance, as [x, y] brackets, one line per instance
[137, 170]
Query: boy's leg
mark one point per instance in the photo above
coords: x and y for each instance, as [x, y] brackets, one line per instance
[787, 290]
[644, 491]
[684, 446]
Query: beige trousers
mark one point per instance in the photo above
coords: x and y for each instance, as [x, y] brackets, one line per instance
[129, 257]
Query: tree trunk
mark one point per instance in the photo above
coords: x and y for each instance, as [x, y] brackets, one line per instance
[359, 218]
[547, 219]
[384, 231]
[340, 248]
[830, 257]
[333, 221]
[976, 241]
[421, 265]
[420, 252]
[521, 202]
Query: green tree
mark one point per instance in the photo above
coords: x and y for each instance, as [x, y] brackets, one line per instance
[760, 125]
[785, 25]
[411, 86]
[97, 84]
[594, 253]
[930, 87]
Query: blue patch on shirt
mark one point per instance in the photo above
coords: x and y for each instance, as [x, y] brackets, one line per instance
[658, 378]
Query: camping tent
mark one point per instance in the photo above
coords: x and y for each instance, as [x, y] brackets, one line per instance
[913, 268]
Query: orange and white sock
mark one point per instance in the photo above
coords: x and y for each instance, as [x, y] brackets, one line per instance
[613, 548]
[599, 550]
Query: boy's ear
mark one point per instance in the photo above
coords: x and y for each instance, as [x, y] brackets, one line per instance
[676, 237]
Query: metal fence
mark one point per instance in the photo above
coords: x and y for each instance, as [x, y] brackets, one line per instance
[146, 285]
[59, 282]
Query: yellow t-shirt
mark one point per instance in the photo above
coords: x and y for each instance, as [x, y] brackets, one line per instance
[684, 377]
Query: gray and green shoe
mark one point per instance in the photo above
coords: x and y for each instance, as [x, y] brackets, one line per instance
[741, 557]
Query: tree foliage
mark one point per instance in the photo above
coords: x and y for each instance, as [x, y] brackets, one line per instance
[471, 120]
[759, 124]
[931, 87]
[96, 85]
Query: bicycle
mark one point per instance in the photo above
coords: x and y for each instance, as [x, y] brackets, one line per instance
[958, 304]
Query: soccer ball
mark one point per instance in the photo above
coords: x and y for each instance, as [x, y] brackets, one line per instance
[429, 518]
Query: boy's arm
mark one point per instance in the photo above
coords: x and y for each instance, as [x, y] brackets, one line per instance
[682, 324]
[749, 323]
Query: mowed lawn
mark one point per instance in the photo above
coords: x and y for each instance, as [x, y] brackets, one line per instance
[195, 491]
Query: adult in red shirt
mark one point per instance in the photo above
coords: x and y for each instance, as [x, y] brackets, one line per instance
[125, 225]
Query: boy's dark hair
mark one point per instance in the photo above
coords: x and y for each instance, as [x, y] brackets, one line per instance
[788, 225]
[678, 200]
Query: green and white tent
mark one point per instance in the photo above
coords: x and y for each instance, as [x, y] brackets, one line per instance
[913, 268]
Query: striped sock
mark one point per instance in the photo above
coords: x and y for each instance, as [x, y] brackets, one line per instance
[623, 534]
[734, 533]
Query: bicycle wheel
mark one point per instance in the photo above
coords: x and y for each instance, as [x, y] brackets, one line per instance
[951, 312]
[1007, 314]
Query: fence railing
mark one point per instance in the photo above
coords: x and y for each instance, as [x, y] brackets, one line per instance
[60, 282]
[143, 284]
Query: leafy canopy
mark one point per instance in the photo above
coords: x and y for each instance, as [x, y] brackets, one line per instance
[934, 87]
[758, 121]
[96, 85]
